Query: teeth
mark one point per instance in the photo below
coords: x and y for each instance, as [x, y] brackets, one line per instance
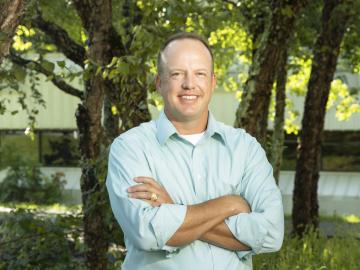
[188, 97]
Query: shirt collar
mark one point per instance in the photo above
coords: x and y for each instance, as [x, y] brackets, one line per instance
[165, 129]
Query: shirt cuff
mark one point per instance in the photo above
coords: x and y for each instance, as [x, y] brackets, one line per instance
[165, 223]
[248, 229]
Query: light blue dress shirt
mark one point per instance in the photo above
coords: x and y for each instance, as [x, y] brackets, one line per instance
[225, 161]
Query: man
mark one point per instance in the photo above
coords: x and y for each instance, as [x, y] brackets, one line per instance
[191, 193]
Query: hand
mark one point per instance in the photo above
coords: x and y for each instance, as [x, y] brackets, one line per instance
[146, 188]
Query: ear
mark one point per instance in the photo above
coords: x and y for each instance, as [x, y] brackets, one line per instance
[213, 82]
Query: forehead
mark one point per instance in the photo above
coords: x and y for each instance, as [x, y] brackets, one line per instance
[186, 51]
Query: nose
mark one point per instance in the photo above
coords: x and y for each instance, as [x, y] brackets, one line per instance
[188, 82]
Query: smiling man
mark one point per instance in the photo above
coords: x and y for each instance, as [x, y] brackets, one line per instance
[190, 192]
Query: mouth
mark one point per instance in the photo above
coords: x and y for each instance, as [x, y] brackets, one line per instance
[188, 97]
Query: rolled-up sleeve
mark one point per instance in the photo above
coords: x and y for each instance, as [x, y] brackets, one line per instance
[146, 227]
[262, 229]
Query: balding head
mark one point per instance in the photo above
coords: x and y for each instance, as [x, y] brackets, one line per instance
[180, 36]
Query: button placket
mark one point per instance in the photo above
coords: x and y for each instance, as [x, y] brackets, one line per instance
[195, 170]
[198, 175]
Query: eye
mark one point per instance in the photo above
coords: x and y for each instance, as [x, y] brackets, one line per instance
[176, 75]
[201, 74]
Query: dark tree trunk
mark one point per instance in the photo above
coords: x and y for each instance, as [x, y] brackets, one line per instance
[278, 134]
[252, 112]
[96, 16]
[111, 118]
[11, 12]
[336, 14]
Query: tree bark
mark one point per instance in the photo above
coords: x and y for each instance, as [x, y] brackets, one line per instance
[278, 134]
[111, 116]
[96, 16]
[10, 16]
[252, 112]
[305, 213]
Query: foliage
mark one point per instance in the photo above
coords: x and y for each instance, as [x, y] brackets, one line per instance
[28, 241]
[25, 182]
[31, 238]
[233, 46]
[313, 252]
[346, 101]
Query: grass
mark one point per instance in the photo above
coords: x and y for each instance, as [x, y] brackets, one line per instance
[318, 252]
[352, 219]
[313, 253]
[56, 207]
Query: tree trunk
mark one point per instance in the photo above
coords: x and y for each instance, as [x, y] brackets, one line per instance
[111, 114]
[96, 16]
[278, 134]
[252, 112]
[305, 214]
[10, 16]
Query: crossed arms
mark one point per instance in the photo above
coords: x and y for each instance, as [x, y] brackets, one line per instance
[204, 221]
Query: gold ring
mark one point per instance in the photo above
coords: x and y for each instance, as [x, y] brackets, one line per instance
[154, 197]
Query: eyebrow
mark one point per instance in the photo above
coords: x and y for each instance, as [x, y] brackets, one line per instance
[180, 69]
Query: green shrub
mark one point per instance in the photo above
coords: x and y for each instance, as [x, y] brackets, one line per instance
[28, 241]
[25, 182]
[35, 239]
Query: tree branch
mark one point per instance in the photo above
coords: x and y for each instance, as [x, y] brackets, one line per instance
[56, 80]
[11, 13]
[61, 39]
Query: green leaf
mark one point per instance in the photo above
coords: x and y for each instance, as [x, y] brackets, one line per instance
[105, 74]
[19, 73]
[151, 102]
[113, 62]
[98, 70]
[124, 68]
[61, 64]
[49, 66]
[287, 11]
[113, 73]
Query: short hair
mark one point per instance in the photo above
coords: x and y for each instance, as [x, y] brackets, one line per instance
[179, 36]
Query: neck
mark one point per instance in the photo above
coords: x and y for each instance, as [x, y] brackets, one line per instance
[188, 127]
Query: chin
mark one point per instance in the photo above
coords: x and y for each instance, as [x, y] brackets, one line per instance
[189, 116]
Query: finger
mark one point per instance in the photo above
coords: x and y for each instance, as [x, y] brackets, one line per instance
[141, 187]
[146, 180]
[140, 195]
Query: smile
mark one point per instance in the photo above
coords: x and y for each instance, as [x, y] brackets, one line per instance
[189, 97]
